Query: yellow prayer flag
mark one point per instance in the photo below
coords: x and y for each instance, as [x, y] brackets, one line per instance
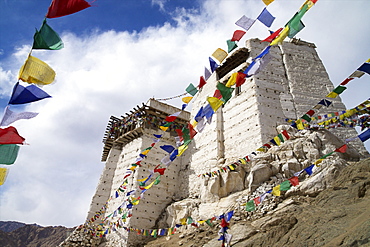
[232, 80]
[183, 221]
[201, 221]
[215, 103]
[219, 54]
[149, 186]
[142, 180]
[267, 2]
[281, 36]
[182, 149]
[231, 167]
[277, 140]
[194, 123]
[187, 99]
[3, 173]
[332, 95]
[163, 128]
[318, 161]
[367, 61]
[36, 71]
[276, 190]
[309, 4]
[299, 124]
[145, 152]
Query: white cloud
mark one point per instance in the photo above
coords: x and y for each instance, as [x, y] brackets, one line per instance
[108, 73]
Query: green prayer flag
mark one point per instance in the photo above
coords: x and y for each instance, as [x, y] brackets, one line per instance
[8, 153]
[281, 137]
[326, 155]
[285, 185]
[339, 89]
[306, 117]
[295, 23]
[231, 45]
[226, 92]
[250, 206]
[293, 32]
[46, 38]
[191, 90]
[189, 221]
[209, 222]
[157, 181]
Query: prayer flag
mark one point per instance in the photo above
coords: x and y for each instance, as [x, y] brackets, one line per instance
[341, 149]
[225, 91]
[8, 154]
[214, 103]
[207, 73]
[365, 68]
[272, 36]
[281, 137]
[346, 81]
[167, 148]
[220, 55]
[245, 22]
[276, 190]
[332, 95]
[191, 89]
[295, 21]
[10, 136]
[294, 181]
[36, 71]
[3, 174]
[277, 140]
[267, 2]
[339, 89]
[238, 34]
[46, 38]
[172, 117]
[250, 206]
[217, 94]
[325, 102]
[284, 186]
[10, 116]
[309, 169]
[240, 79]
[174, 155]
[279, 39]
[231, 45]
[182, 149]
[259, 62]
[232, 80]
[60, 8]
[186, 100]
[208, 113]
[202, 82]
[257, 200]
[293, 31]
[166, 160]
[209, 222]
[266, 18]
[357, 74]
[309, 3]
[213, 64]
[192, 132]
[365, 135]
[229, 216]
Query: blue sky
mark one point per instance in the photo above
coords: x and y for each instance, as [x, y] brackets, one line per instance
[120, 53]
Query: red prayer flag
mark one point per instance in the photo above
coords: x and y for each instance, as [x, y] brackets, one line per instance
[238, 34]
[273, 35]
[60, 8]
[346, 81]
[285, 133]
[240, 79]
[10, 136]
[217, 94]
[342, 149]
[202, 82]
[310, 113]
[294, 181]
[160, 170]
[192, 131]
[257, 200]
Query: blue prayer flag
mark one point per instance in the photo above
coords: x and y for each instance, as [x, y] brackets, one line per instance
[213, 64]
[266, 18]
[23, 95]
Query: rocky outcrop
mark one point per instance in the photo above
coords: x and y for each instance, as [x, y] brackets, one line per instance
[339, 215]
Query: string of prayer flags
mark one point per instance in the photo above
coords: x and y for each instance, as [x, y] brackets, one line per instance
[8, 154]
[231, 45]
[3, 174]
[272, 36]
[212, 64]
[238, 34]
[10, 117]
[245, 22]
[47, 38]
[36, 71]
[10, 135]
[266, 18]
[267, 2]
[59, 8]
[219, 55]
